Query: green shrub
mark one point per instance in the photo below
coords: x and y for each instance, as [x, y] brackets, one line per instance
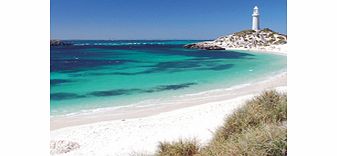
[271, 36]
[244, 33]
[267, 30]
[280, 38]
[280, 42]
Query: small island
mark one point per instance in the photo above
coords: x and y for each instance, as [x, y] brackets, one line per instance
[59, 43]
[259, 40]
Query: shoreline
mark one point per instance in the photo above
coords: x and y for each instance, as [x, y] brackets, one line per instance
[195, 115]
[174, 103]
[202, 115]
[138, 111]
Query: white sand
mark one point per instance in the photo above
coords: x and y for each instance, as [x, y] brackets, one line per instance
[276, 49]
[141, 135]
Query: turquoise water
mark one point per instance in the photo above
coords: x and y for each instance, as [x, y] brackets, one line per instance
[99, 74]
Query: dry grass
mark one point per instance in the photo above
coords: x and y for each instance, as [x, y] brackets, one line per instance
[269, 107]
[257, 129]
[181, 147]
[264, 140]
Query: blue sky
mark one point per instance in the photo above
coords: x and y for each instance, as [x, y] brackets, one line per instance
[160, 19]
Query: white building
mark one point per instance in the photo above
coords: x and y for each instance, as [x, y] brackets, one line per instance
[256, 20]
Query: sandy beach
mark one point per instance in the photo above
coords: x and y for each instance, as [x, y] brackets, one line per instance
[275, 49]
[126, 131]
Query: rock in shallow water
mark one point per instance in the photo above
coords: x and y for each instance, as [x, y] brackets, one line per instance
[204, 46]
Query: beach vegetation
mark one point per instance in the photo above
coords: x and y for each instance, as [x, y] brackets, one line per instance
[270, 35]
[272, 40]
[244, 33]
[188, 147]
[262, 140]
[280, 37]
[257, 128]
[266, 30]
[280, 42]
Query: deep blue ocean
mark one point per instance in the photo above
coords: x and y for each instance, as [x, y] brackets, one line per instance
[98, 74]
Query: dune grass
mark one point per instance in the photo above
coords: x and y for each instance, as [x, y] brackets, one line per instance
[256, 129]
[188, 147]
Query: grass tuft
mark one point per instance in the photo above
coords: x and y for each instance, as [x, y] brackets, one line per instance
[181, 147]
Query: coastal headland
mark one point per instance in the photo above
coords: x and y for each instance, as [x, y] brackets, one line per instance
[265, 40]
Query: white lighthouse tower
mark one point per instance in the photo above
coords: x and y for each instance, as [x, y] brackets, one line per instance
[256, 20]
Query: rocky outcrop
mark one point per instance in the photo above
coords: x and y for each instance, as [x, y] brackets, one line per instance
[59, 43]
[246, 39]
[204, 46]
[62, 146]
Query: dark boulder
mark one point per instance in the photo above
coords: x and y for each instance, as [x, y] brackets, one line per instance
[204, 46]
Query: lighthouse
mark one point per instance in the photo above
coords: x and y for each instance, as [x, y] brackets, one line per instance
[256, 20]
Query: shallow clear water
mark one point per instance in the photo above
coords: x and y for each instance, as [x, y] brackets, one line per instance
[98, 74]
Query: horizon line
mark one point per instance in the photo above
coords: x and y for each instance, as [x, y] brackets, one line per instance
[129, 39]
